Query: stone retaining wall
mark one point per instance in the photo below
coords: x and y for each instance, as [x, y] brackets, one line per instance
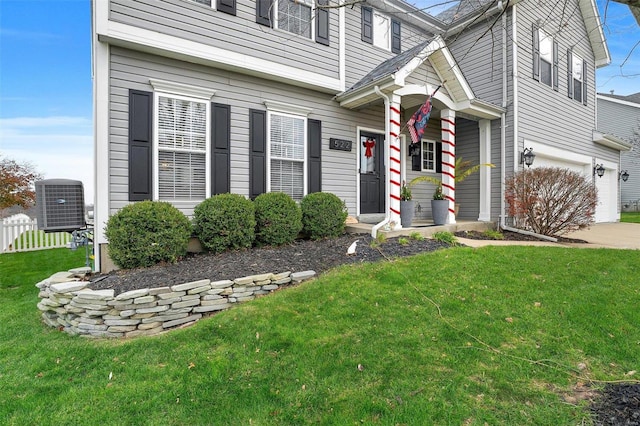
[67, 303]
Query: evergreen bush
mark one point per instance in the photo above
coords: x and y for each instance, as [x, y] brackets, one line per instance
[278, 219]
[146, 233]
[323, 215]
[225, 222]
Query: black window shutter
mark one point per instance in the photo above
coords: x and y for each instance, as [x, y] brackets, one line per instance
[396, 47]
[367, 24]
[438, 157]
[416, 156]
[570, 73]
[314, 150]
[140, 145]
[536, 53]
[555, 65]
[227, 6]
[322, 23]
[257, 154]
[220, 149]
[263, 12]
[584, 82]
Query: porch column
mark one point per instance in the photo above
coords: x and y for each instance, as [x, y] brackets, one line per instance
[448, 129]
[394, 168]
[485, 172]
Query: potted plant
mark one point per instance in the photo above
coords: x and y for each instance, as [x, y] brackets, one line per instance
[464, 169]
[439, 207]
[406, 205]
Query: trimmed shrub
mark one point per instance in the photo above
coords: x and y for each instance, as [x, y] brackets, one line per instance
[278, 218]
[146, 233]
[323, 215]
[225, 222]
[550, 200]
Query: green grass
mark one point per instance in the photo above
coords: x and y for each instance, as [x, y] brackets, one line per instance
[632, 217]
[458, 336]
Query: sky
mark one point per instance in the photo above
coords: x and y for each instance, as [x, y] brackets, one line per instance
[46, 82]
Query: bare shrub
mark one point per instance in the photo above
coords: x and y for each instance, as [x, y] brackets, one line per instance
[550, 200]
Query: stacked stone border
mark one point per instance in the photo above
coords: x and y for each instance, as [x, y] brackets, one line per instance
[67, 303]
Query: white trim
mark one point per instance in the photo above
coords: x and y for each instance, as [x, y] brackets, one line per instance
[552, 152]
[180, 89]
[286, 108]
[617, 101]
[484, 127]
[101, 132]
[176, 47]
[516, 103]
[156, 147]
[342, 49]
[359, 130]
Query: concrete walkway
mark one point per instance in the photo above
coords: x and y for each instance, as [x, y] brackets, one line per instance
[602, 235]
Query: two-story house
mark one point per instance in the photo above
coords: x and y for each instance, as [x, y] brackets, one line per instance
[199, 97]
[620, 116]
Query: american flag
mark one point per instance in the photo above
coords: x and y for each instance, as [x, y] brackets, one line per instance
[418, 121]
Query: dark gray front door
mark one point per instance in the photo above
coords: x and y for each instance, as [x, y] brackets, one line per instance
[371, 173]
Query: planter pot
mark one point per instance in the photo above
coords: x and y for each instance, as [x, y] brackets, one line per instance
[439, 211]
[406, 213]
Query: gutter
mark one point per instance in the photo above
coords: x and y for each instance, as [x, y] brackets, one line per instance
[387, 216]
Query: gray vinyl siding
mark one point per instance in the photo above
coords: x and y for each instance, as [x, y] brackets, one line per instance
[132, 70]
[362, 57]
[468, 191]
[240, 33]
[623, 121]
[548, 116]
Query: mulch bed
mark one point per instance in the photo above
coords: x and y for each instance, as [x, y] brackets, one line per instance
[513, 236]
[617, 404]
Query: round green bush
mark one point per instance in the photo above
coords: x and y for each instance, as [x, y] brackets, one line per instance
[278, 219]
[146, 233]
[323, 215]
[225, 222]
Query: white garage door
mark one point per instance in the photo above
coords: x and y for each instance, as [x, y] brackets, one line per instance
[607, 208]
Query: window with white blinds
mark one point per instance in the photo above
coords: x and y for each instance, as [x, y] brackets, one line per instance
[182, 149]
[287, 138]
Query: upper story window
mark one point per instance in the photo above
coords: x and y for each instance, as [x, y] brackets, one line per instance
[545, 58]
[226, 6]
[295, 16]
[576, 77]
[380, 30]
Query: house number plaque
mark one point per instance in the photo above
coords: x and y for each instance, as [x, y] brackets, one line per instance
[340, 144]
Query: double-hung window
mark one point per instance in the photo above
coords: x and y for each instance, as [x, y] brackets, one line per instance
[287, 154]
[182, 156]
[576, 77]
[428, 156]
[295, 16]
[545, 58]
[380, 30]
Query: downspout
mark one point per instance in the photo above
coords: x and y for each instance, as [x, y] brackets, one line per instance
[387, 216]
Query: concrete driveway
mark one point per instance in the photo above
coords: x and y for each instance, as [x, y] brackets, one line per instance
[611, 235]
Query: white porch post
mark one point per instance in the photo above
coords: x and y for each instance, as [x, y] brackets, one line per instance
[448, 129]
[395, 175]
[485, 172]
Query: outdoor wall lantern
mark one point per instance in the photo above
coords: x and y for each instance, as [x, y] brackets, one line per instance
[527, 156]
[624, 175]
[599, 170]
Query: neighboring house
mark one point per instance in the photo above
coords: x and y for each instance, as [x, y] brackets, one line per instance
[620, 116]
[196, 98]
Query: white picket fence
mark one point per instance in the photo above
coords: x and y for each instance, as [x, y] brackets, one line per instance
[23, 235]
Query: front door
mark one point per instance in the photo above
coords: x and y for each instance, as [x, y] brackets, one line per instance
[371, 173]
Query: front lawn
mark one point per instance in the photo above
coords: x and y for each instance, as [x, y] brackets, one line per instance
[498, 335]
[632, 217]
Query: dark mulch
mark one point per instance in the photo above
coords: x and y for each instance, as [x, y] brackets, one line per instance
[302, 255]
[512, 236]
[619, 404]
